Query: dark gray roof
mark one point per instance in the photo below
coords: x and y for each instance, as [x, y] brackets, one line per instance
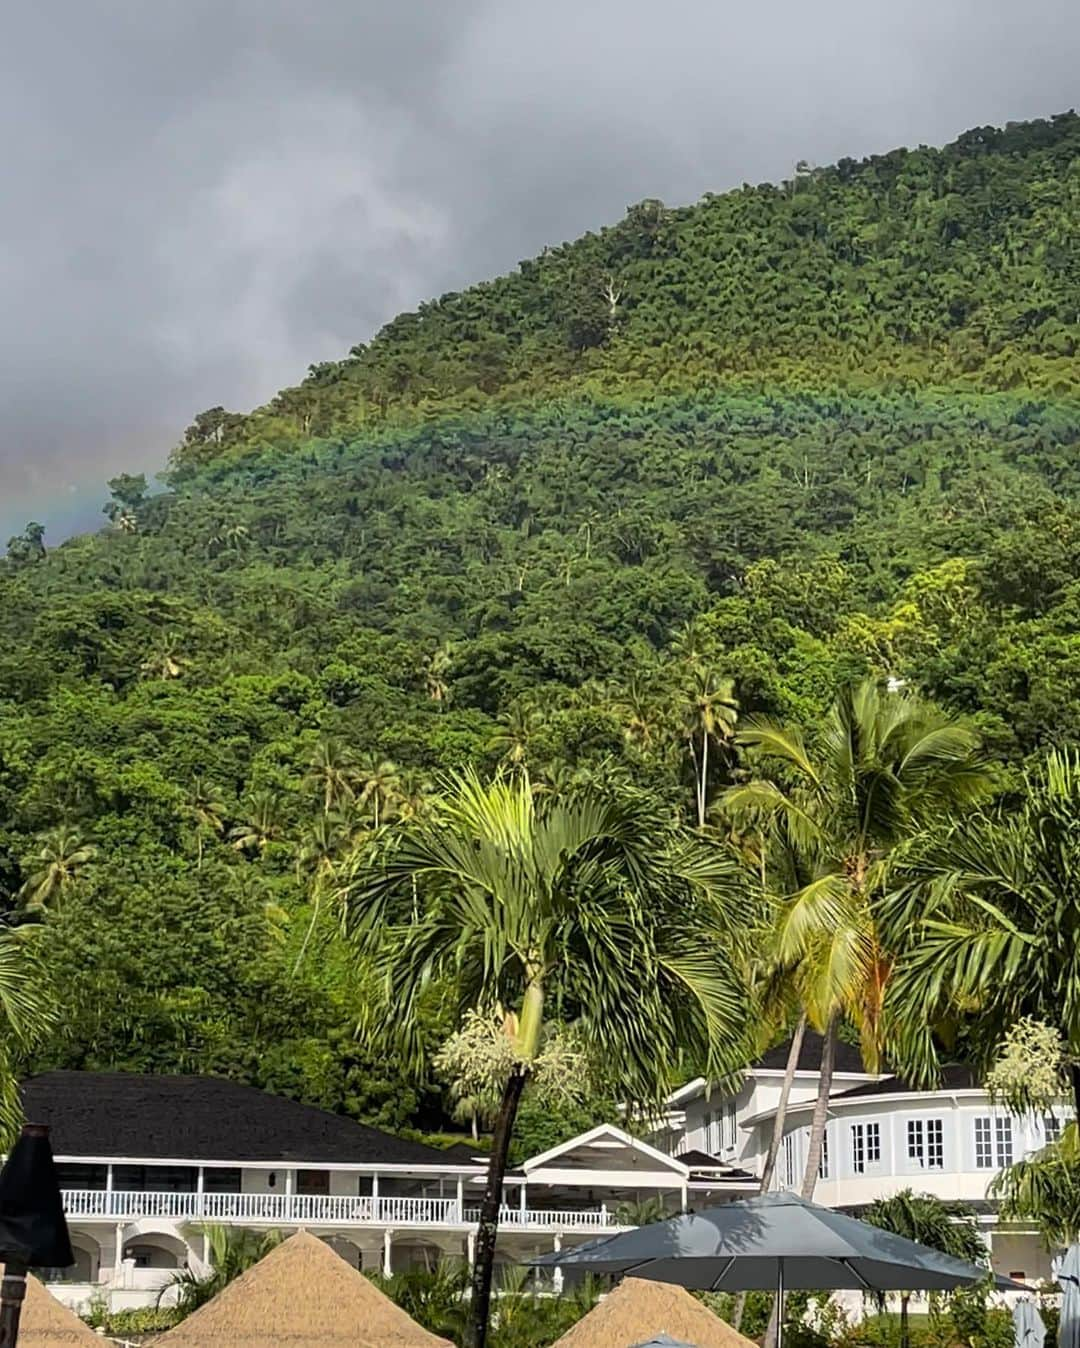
[955, 1078]
[203, 1119]
[701, 1160]
[848, 1058]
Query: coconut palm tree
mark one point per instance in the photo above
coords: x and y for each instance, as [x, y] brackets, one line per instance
[436, 671]
[884, 766]
[948, 1227]
[63, 853]
[261, 825]
[206, 806]
[380, 783]
[988, 924]
[165, 661]
[333, 771]
[320, 849]
[512, 739]
[710, 712]
[589, 905]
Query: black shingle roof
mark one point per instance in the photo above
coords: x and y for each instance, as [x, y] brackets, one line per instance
[201, 1119]
[954, 1078]
[701, 1160]
[848, 1057]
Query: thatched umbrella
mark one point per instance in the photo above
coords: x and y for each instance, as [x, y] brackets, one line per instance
[301, 1293]
[638, 1309]
[47, 1324]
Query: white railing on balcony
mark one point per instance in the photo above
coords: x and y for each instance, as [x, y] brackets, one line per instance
[567, 1219]
[292, 1209]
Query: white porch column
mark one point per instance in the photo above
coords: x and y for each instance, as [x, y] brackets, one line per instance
[684, 1198]
[461, 1198]
[470, 1248]
[521, 1201]
[375, 1185]
[290, 1181]
[118, 1262]
[200, 1190]
[387, 1247]
[108, 1182]
[556, 1281]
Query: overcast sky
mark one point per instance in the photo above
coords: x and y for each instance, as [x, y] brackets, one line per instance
[202, 197]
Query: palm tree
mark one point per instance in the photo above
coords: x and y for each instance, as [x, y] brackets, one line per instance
[512, 739]
[590, 904]
[884, 766]
[61, 856]
[381, 780]
[436, 669]
[206, 806]
[164, 662]
[333, 771]
[1045, 1189]
[638, 709]
[948, 1227]
[27, 1013]
[261, 825]
[709, 716]
[987, 926]
[230, 1252]
[318, 854]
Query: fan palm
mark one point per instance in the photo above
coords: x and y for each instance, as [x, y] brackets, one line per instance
[947, 1227]
[588, 905]
[884, 766]
[989, 925]
[1045, 1189]
[62, 855]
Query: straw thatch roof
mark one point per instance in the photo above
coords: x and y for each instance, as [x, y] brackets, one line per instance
[45, 1323]
[301, 1293]
[638, 1310]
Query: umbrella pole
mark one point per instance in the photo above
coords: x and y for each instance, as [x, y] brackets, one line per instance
[12, 1291]
[779, 1303]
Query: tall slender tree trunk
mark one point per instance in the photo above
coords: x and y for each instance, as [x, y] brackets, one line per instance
[781, 1109]
[777, 1138]
[905, 1328]
[821, 1111]
[483, 1266]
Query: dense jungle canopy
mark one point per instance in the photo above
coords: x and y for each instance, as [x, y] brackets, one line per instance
[787, 436]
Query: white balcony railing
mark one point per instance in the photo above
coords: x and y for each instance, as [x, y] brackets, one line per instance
[330, 1210]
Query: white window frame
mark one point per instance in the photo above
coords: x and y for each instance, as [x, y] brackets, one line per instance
[865, 1139]
[924, 1143]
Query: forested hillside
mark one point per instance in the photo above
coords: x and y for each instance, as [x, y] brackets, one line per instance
[787, 436]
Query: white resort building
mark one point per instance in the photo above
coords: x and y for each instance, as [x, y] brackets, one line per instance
[145, 1162]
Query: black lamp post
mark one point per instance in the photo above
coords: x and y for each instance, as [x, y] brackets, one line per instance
[33, 1231]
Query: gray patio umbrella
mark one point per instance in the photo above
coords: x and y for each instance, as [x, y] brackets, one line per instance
[1028, 1328]
[774, 1242]
[1069, 1281]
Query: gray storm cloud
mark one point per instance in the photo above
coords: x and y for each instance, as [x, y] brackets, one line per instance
[202, 198]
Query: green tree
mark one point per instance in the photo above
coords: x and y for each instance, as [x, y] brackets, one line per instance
[709, 717]
[883, 767]
[230, 1252]
[947, 1227]
[28, 1012]
[988, 923]
[62, 855]
[589, 905]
